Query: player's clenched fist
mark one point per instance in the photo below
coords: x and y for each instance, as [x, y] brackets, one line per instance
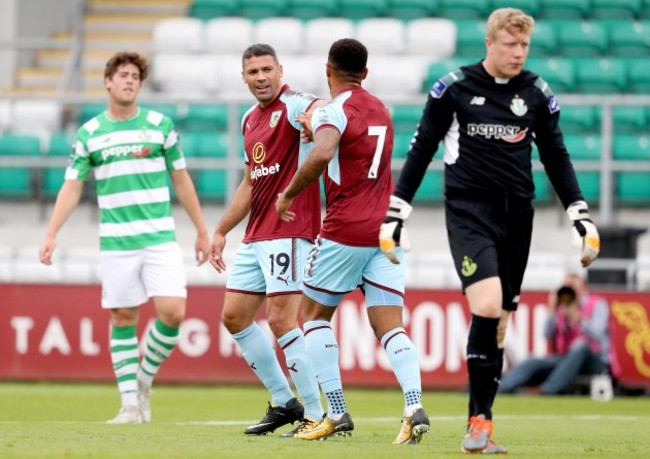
[393, 231]
[584, 235]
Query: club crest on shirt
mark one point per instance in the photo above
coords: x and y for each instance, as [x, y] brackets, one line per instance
[518, 106]
[145, 134]
[275, 117]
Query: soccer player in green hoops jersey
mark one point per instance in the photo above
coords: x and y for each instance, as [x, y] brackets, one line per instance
[131, 150]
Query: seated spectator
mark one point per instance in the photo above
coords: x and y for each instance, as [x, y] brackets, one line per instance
[578, 335]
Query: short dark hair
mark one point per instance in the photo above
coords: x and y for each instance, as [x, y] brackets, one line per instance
[126, 57]
[566, 295]
[348, 56]
[257, 50]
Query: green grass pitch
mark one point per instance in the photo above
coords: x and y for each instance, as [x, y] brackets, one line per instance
[47, 420]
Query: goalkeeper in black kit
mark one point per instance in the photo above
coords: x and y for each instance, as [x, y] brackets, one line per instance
[488, 115]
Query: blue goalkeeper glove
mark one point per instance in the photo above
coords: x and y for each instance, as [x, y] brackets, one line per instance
[393, 232]
[584, 235]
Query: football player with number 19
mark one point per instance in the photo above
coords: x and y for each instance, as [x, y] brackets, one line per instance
[488, 115]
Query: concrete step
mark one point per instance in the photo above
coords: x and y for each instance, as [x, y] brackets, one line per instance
[176, 7]
[124, 22]
[46, 91]
[107, 40]
[34, 77]
[94, 59]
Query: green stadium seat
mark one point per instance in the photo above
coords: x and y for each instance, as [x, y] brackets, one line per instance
[190, 142]
[439, 69]
[206, 144]
[544, 40]
[629, 38]
[644, 12]
[611, 9]
[261, 9]
[632, 147]
[211, 184]
[401, 144]
[60, 145]
[565, 9]
[312, 9]
[470, 40]
[407, 10]
[601, 76]
[204, 118]
[171, 110]
[580, 120]
[558, 73]
[638, 73]
[432, 188]
[589, 182]
[406, 118]
[543, 188]
[208, 9]
[16, 182]
[586, 38]
[361, 9]
[463, 9]
[530, 7]
[583, 147]
[89, 111]
[631, 120]
[633, 188]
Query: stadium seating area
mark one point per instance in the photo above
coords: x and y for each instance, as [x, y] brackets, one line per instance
[579, 46]
[597, 47]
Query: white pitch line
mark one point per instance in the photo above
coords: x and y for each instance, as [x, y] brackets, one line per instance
[586, 417]
[456, 418]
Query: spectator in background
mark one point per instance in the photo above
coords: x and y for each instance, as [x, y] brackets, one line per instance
[132, 151]
[577, 330]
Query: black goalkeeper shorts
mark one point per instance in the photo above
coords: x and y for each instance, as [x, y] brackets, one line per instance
[490, 237]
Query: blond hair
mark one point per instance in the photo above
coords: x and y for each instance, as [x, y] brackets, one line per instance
[511, 19]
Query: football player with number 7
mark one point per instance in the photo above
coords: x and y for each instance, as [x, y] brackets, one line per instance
[488, 115]
[353, 142]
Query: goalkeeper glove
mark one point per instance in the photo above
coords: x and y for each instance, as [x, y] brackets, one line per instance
[584, 235]
[393, 231]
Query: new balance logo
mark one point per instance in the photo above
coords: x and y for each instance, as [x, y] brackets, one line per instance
[477, 100]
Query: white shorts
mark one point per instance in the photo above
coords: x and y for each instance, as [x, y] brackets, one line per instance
[131, 277]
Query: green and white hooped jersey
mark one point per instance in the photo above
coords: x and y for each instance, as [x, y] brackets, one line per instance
[131, 160]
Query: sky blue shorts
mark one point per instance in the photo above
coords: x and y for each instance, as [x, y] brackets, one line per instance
[334, 269]
[273, 267]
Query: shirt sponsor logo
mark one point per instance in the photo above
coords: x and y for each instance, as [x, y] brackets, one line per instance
[263, 171]
[510, 134]
[553, 105]
[477, 100]
[438, 89]
[259, 152]
[125, 150]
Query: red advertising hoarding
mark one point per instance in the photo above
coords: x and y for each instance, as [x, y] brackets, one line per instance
[59, 332]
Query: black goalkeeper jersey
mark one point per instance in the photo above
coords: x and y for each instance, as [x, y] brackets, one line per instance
[488, 127]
